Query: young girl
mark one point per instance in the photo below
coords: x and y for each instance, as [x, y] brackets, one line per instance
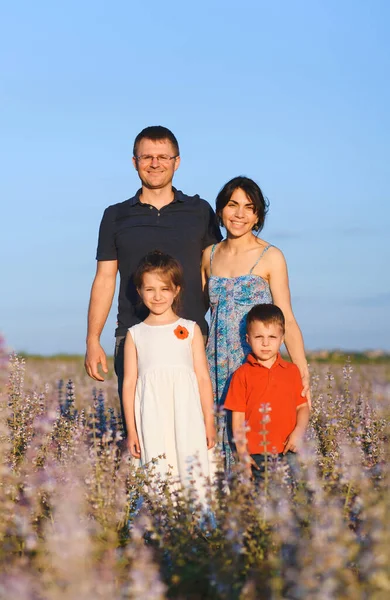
[167, 392]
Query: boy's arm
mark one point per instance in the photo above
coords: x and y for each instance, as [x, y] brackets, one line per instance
[239, 436]
[128, 394]
[294, 439]
[201, 369]
[236, 402]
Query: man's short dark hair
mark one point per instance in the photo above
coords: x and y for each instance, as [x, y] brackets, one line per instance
[267, 314]
[156, 133]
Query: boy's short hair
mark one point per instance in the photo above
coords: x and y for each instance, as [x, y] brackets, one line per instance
[267, 314]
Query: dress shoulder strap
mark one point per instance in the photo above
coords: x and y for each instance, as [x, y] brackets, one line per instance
[212, 256]
[260, 257]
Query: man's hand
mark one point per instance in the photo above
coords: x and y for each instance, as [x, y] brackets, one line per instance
[94, 356]
[133, 444]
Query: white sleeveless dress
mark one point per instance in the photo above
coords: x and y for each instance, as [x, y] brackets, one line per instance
[168, 410]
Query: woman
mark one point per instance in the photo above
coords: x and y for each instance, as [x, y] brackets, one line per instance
[237, 273]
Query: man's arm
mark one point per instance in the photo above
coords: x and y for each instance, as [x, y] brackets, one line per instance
[212, 231]
[102, 293]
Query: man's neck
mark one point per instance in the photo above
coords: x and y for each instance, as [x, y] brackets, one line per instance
[157, 198]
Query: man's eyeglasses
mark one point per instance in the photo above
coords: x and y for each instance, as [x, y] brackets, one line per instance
[163, 159]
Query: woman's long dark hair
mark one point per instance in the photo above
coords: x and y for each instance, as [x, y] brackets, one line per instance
[253, 192]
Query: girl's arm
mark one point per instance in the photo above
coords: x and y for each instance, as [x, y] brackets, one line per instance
[201, 369]
[280, 289]
[128, 394]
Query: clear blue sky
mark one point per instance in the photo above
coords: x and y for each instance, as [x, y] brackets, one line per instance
[293, 94]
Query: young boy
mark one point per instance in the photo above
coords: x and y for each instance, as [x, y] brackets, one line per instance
[266, 386]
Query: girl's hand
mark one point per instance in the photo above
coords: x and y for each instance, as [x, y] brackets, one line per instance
[133, 445]
[211, 435]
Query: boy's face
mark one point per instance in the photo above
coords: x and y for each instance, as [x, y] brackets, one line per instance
[265, 341]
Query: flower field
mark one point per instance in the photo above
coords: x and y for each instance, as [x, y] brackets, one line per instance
[73, 526]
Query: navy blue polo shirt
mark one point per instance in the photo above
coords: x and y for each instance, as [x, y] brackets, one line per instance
[183, 229]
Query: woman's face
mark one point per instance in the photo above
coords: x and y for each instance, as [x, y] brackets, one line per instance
[239, 215]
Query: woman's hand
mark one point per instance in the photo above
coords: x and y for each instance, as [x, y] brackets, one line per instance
[305, 375]
[133, 444]
[211, 435]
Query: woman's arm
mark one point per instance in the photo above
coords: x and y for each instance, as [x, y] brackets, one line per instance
[280, 289]
[128, 394]
[201, 369]
[205, 273]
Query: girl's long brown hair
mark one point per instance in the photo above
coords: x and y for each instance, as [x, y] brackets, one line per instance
[166, 266]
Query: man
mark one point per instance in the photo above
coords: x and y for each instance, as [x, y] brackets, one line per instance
[158, 217]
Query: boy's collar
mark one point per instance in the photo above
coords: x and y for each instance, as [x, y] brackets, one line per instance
[279, 361]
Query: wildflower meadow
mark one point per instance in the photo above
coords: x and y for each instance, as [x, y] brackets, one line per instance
[79, 520]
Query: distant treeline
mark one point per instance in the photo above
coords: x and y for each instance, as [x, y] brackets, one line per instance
[322, 356]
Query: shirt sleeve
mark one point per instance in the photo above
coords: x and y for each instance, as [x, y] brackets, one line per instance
[236, 396]
[106, 249]
[212, 232]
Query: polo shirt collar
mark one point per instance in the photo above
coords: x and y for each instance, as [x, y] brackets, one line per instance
[178, 197]
[278, 362]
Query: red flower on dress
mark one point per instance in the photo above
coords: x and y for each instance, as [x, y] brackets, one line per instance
[181, 332]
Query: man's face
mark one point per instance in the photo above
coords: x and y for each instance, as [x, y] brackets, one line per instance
[265, 341]
[154, 163]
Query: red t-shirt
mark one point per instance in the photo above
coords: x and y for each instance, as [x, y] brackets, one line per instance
[254, 385]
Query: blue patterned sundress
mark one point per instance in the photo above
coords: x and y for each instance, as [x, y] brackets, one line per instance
[231, 298]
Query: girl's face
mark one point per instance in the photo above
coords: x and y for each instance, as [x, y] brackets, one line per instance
[157, 294]
[239, 215]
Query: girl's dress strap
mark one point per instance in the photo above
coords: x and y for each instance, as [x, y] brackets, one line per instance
[260, 257]
[212, 256]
